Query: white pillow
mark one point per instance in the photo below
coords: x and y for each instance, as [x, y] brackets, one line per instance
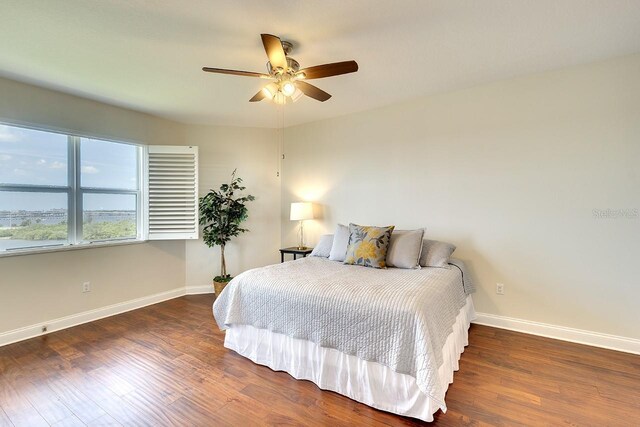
[436, 254]
[323, 248]
[340, 242]
[404, 248]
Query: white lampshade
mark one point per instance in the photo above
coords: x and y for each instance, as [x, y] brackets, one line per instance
[301, 211]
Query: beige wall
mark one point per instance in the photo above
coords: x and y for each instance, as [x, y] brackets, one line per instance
[26, 104]
[254, 152]
[510, 172]
[41, 287]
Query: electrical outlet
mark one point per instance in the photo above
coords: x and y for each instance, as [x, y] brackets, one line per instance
[86, 287]
[500, 288]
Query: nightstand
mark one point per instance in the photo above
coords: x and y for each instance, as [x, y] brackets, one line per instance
[295, 251]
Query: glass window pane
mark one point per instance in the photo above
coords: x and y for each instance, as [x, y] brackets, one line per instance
[32, 219]
[32, 157]
[108, 164]
[109, 216]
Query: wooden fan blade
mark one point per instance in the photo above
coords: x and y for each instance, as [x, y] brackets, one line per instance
[312, 91]
[275, 52]
[258, 96]
[328, 70]
[235, 72]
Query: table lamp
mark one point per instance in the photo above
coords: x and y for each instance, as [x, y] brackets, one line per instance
[300, 211]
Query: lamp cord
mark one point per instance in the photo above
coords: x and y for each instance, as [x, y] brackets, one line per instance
[461, 274]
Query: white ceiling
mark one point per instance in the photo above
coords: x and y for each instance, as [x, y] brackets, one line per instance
[147, 54]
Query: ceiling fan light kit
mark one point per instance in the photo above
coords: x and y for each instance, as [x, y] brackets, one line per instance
[288, 88]
[287, 83]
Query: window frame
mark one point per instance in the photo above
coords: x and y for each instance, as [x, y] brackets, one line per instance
[75, 194]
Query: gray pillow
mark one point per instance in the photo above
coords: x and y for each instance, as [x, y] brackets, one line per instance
[436, 254]
[404, 248]
[340, 242]
[323, 248]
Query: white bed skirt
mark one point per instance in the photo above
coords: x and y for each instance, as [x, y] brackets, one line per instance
[371, 383]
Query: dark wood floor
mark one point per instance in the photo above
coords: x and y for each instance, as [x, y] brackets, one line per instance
[166, 365]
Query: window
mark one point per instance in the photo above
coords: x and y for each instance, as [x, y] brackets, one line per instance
[62, 190]
[109, 191]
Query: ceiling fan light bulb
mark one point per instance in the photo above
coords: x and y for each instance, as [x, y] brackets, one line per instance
[288, 88]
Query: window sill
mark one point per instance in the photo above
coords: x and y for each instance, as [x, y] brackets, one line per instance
[45, 250]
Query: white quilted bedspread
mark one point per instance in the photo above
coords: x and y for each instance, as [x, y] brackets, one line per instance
[397, 317]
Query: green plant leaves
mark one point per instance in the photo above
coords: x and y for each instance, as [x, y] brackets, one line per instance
[221, 212]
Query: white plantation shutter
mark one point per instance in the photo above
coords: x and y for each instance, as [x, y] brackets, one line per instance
[172, 192]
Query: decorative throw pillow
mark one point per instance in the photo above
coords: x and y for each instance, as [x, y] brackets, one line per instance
[368, 245]
[323, 248]
[340, 243]
[436, 254]
[404, 248]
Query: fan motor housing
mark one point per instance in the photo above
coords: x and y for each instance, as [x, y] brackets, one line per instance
[286, 46]
[292, 64]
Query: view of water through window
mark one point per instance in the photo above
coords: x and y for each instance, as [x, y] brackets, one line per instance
[34, 189]
[49, 227]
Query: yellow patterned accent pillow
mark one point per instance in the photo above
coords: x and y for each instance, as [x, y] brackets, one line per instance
[368, 245]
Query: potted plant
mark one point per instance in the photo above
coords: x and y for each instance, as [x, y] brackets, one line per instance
[221, 213]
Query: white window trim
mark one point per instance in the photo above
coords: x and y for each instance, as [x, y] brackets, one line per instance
[49, 249]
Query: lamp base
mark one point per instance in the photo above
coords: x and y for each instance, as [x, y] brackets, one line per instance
[301, 245]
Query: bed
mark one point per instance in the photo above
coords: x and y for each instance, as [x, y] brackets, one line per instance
[390, 338]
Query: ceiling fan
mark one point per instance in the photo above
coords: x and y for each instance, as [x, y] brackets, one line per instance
[288, 80]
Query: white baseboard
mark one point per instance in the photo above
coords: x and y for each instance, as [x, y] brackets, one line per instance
[596, 339]
[86, 316]
[196, 290]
